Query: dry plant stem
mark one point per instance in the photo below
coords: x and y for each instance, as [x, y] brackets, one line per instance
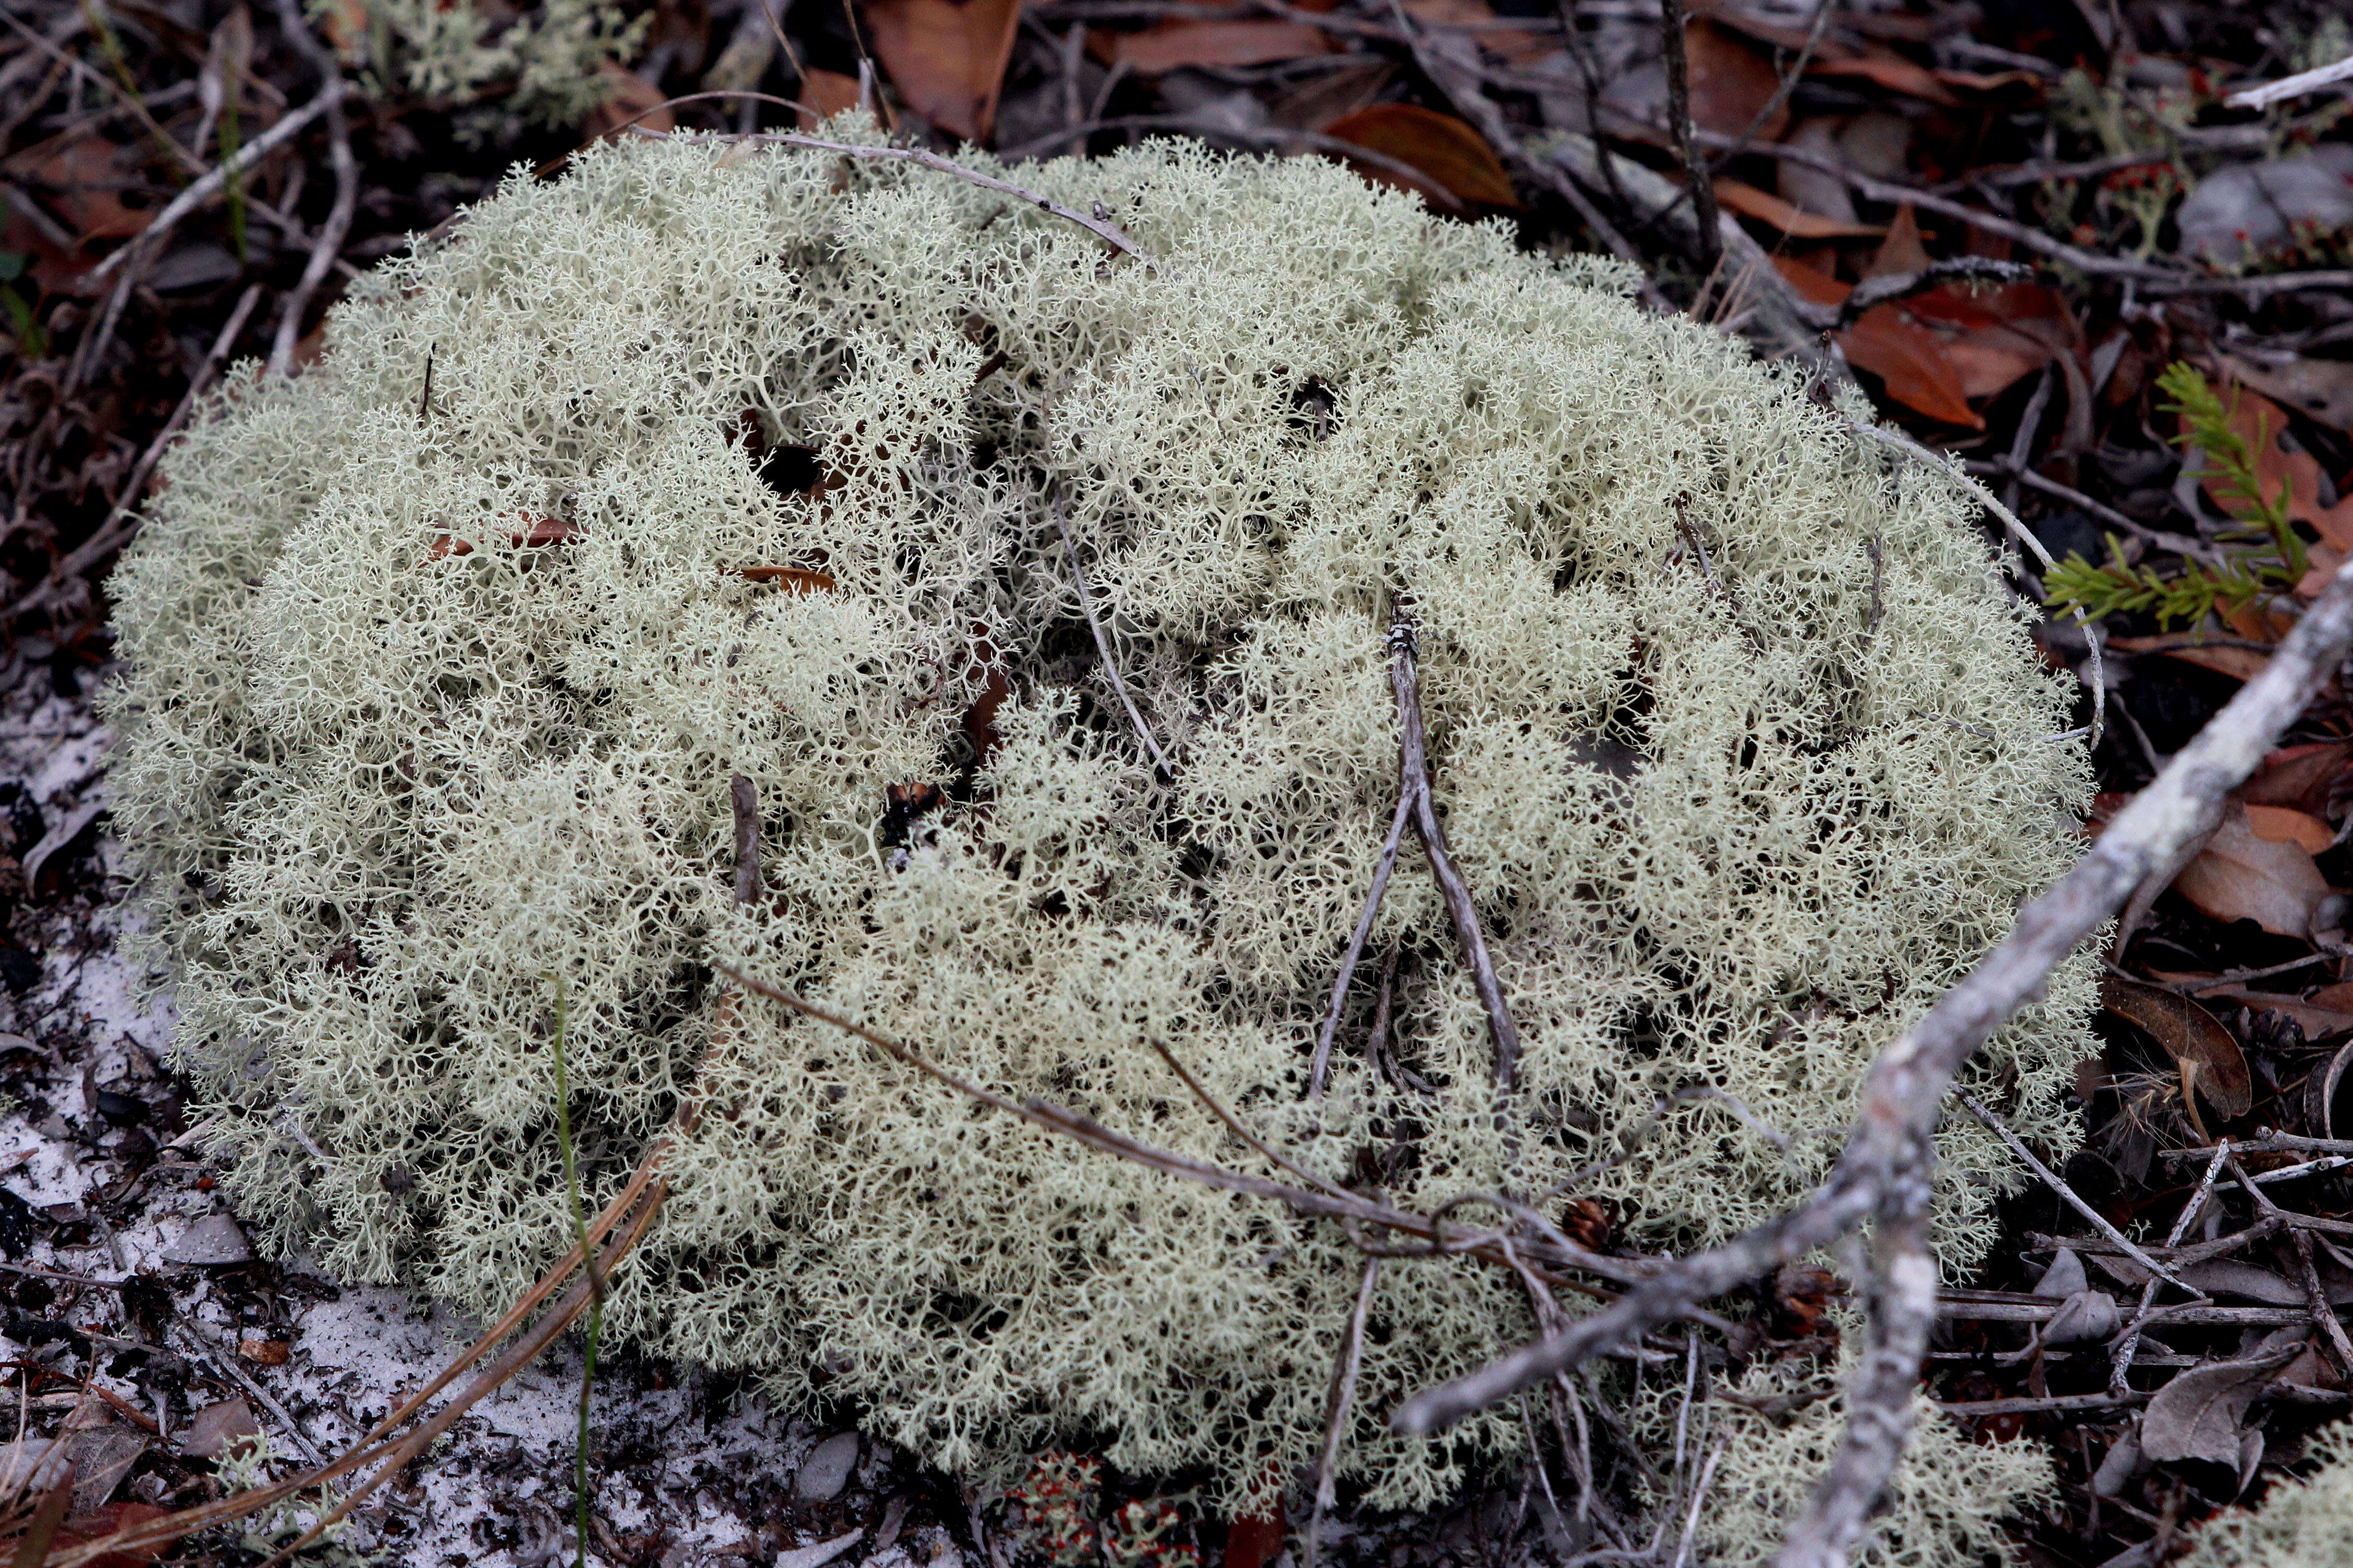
[2034, 240]
[634, 1208]
[2266, 1142]
[119, 525]
[2294, 86]
[1873, 292]
[1321, 1066]
[2031, 1406]
[1239, 1128]
[1338, 1405]
[1695, 161]
[1102, 228]
[205, 189]
[328, 243]
[2180, 544]
[521, 1354]
[1104, 649]
[227, 1360]
[745, 801]
[2129, 1341]
[1331, 1202]
[1905, 1087]
[2051, 1179]
[2314, 1292]
[1413, 784]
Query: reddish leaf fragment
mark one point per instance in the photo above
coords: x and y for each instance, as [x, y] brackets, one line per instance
[628, 95]
[1174, 45]
[542, 530]
[2284, 825]
[2238, 663]
[1892, 71]
[1735, 195]
[2208, 1057]
[1730, 83]
[1256, 1541]
[946, 59]
[2299, 776]
[1446, 148]
[827, 92]
[112, 1519]
[1908, 359]
[2242, 876]
[793, 579]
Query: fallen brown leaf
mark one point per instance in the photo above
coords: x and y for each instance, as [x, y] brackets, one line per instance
[1886, 68]
[2284, 825]
[1446, 148]
[2316, 1017]
[947, 60]
[1730, 82]
[628, 96]
[2208, 1056]
[2240, 876]
[829, 93]
[1171, 45]
[2200, 1414]
[793, 579]
[2299, 776]
[1902, 251]
[2320, 389]
[1908, 359]
[1509, 43]
[2238, 663]
[1735, 195]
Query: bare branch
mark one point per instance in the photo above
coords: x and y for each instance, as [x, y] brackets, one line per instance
[329, 244]
[2050, 1179]
[1906, 1088]
[1338, 1404]
[1699, 185]
[331, 96]
[1873, 293]
[1879, 1391]
[2129, 1341]
[1322, 1064]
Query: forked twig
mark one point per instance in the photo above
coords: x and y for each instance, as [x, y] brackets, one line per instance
[1413, 784]
[1884, 1169]
[2129, 1341]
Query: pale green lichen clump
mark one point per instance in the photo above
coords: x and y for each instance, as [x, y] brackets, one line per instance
[381, 785]
[2302, 1522]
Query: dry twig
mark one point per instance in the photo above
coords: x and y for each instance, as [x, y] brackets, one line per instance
[1883, 1170]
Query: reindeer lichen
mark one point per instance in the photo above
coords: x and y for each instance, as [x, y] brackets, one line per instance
[441, 660]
